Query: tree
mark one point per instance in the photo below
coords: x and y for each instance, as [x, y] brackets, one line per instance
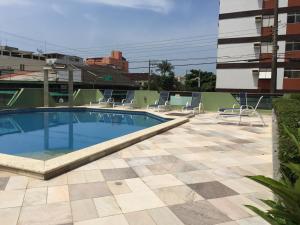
[207, 81]
[165, 68]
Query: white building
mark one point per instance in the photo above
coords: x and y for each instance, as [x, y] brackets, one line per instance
[245, 45]
[61, 59]
[15, 59]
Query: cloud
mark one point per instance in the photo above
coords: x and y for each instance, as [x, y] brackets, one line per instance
[14, 2]
[160, 6]
[58, 9]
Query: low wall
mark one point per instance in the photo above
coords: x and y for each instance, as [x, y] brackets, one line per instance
[28, 98]
[212, 101]
[85, 96]
[144, 98]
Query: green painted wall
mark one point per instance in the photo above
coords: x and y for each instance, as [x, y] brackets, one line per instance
[212, 101]
[85, 96]
[144, 98]
[28, 98]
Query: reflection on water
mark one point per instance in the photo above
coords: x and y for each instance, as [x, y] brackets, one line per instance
[45, 135]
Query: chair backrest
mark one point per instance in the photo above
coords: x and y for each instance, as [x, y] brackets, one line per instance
[163, 97]
[129, 96]
[243, 98]
[259, 101]
[107, 94]
[196, 99]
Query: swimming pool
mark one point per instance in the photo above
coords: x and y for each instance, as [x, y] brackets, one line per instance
[45, 134]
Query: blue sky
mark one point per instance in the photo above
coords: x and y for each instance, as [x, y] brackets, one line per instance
[142, 29]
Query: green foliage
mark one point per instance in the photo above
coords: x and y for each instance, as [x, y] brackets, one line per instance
[295, 96]
[207, 81]
[165, 68]
[288, 114]
[285, 211]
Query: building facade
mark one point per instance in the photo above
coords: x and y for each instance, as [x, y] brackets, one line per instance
[62, 59]
[245, 45]
[18, 60]
[115, 61]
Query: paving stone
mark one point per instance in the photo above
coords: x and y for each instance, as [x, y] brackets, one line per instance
[58, 194]
[160, 181]
[164, 216]
[89, 190]
[110, 220]
[35, 196]
[9, 216]
[177, 195]
[107, 206]
[83, 210]
[199, 213]
[139, 218]
[17, 183]
[50, 214]
[118, 174]
[138, 201]
[3, 183]
[212, 190]
[118, 187]
[9, 199]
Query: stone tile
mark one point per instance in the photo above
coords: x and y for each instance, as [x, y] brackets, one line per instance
[142, 171]
[9, 216]
[252, 221]
[164, 216]
[177, 167]
[110, 220]
[83, 210]
[230, 209]
[107, 206]
[139, 218]
[51, 214]
[90, 190]
[144, 161]
[137, 185]
[3, 183]
[199, 213]
[76, 177]
[118, 174]
[92, 176]
[160, 181]
[17, 183]
[118, 187]
[177, 195]
[120, 163]
[138, 201]
[105, 164]
[198, 176]
[9, 199]
[58, 194]
[212, 190]
[35, 196]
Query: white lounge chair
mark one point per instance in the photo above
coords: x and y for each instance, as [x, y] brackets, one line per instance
[162, 103]
[242, 112]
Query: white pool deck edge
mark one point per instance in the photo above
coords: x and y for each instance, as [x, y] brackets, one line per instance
[54, 167]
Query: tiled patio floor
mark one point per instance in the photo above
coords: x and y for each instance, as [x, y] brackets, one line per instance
[192, 175]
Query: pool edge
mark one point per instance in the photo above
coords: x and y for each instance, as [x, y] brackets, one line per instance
[46, 170]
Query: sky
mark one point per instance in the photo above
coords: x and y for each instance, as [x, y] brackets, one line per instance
[142, 29]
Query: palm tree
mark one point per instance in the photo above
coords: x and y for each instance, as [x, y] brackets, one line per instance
[165, 68]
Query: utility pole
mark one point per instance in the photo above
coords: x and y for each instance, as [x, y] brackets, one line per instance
[199, 79]
[149, 75]
[275, 49]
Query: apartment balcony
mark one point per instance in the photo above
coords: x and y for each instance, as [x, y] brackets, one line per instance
[292, 56]
[293, 28]
[268, 4]
[294, 3]
[266, 31]
[291, 84]
[264, 84]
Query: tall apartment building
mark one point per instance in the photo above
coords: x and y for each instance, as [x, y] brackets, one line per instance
[245, 45]
[116, 61]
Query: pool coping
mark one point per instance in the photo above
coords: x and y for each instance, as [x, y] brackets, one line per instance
[51, 168]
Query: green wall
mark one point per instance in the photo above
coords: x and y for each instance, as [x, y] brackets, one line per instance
[28, 98]
[212, 101]
[144, 98]
[85, 96]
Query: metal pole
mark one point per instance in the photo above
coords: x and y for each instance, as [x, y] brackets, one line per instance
[149, 74]
[70, 88]
[275, 49]
[46, 88]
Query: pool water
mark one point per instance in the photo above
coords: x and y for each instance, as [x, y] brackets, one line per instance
[47, 134]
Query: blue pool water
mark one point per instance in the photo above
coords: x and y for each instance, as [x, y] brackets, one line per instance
[47, 134]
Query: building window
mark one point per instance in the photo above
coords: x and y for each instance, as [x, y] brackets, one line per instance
[268, 21]
[292, 46]
[294, 17]
[265, 74]
[266, 47]
[292, 73]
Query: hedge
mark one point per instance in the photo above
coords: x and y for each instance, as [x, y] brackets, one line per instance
[288, 113]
